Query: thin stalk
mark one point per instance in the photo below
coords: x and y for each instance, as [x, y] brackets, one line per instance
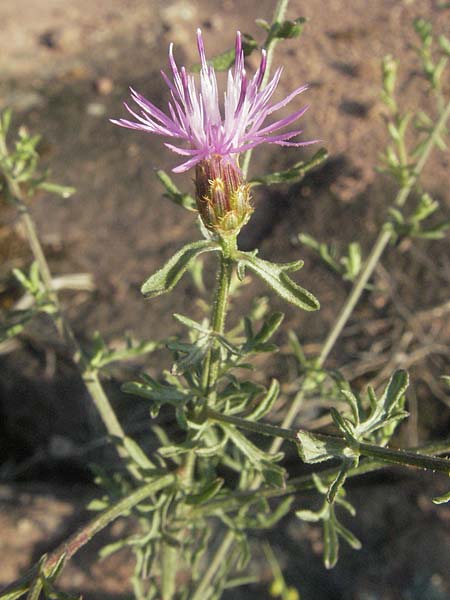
[90, 377]
[389, 455]
[381, 243]
[169, 561]
[79, 539]
[219, 557]
[35, 589]
[278, 16]
[219, 311]
[305, 483]
[366, 273]
[256, 427]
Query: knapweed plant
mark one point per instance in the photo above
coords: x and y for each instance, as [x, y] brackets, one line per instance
[194, 500]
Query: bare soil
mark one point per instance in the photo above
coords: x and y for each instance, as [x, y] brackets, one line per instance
[65, 69]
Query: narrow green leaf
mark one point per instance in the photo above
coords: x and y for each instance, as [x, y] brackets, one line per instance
[274, 475]
[309, 515]
[348, 536]
[256, 456]
[207, 493]
[275, 276]
[160, 394]
[167, 277]
[97, 504]
[319, 448]
[16, 593]
[65, 191]
[270, 326]
[395, 390]
[209, 451]
[286, 29]
[191, 324]
[111, 548]
[267, 401]
[353, 403]
[442, 499]
[444, 43]
[331, 543]
[340, 479]
[343, 425]
[283, 508]
[5, 121]
[174, 194]
[137, 454]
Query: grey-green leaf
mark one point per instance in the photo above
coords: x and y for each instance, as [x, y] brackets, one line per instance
[267, 401]
[174, 194]
[315, 448]
[168, 276]
[275, 276]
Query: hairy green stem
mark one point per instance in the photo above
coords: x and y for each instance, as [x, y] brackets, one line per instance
[305, 483]
[388, 455]
[219, 311]
[75, 542]
[278, 15]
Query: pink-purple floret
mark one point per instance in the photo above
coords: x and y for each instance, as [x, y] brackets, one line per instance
[196, 118]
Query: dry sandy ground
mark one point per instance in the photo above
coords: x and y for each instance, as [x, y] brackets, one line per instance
[65, 67]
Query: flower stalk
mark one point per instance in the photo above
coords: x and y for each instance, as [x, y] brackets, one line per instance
[219, 311]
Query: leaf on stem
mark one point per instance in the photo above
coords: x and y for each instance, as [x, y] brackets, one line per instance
[275, 275]
[288, 29]
[315, 448]
[159, 393]
[266, 403]
[174, 194]
[166, 278]
[332, 528]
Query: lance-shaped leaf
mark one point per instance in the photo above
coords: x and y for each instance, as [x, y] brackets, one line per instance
[315, 448]
[168, 276]
[387, 409]
[286, 29]
[159, 393]
[174, 194]
[332, 528]
[266, 402]
[275, 275]
[206, 493]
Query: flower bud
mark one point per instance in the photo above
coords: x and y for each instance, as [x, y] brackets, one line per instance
[223, 198]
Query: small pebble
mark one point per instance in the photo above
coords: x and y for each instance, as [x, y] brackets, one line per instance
[96, 109]
[104, 85]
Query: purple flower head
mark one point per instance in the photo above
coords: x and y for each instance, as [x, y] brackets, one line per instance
[196, 118]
